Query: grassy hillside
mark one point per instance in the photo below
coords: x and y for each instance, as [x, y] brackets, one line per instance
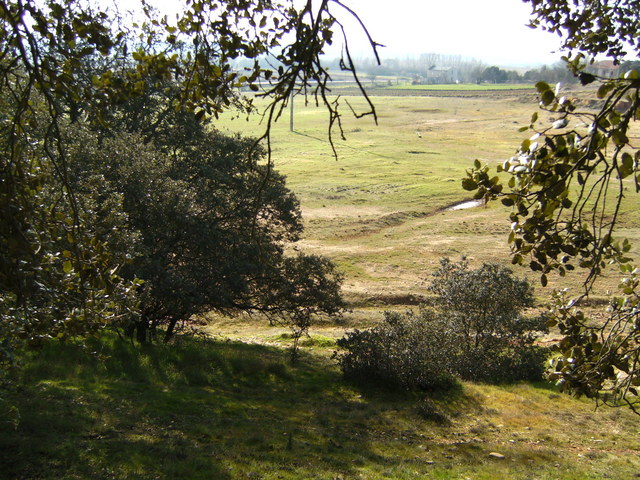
[229, 410]
[232, 407]
[378, 210]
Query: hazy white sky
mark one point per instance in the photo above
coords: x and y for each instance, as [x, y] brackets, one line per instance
[493, 31]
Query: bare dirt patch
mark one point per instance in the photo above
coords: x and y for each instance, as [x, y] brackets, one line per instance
[344, 211]
[427, 110]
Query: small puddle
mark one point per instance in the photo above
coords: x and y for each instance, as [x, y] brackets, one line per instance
[464, 205]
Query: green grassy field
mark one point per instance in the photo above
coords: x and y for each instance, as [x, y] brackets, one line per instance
[232, 407]
[233, 410]
[464, 87]
[378, 210]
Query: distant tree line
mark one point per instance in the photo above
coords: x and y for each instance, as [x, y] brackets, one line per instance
[469, 70]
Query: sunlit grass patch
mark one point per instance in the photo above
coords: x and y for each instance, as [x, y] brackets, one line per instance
[380, 203]
[249, 414]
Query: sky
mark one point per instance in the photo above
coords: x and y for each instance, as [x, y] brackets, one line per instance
[494, 31]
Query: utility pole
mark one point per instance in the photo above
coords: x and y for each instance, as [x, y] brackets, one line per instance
[291, 112]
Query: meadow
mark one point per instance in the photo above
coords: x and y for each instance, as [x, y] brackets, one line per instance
[222, 409]
[380, 209]
[230, 406]
[464, 87]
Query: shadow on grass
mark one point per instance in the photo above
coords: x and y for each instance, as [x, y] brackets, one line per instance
[217, 410]
[198, 409]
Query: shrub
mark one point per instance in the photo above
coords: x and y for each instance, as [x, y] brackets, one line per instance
[494, 341]
[497, 361]
[428, 410]
[399, 353]
[476, 331]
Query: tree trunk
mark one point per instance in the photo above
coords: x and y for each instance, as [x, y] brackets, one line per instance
[142, 330]
[138, 330]
[170, 329]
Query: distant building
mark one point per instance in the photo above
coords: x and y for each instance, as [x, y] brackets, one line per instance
[437, 76]
[604, 68]
[441, 75]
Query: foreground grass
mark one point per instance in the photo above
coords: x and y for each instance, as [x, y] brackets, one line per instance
[227, 410]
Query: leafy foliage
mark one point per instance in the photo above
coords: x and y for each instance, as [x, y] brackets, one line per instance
[490, 339]
[205, 225]
[490, 298]
[476, 332]
[306, 287]
[71, 68]
[406, 351]
[594, 27]
[567, 184]
[57, 279]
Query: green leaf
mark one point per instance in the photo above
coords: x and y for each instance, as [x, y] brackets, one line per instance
[619, 138]
[632, 75]
[67, 267]
[469, 184]
[604, 123]
[586, 78]
[614, 118]
[604, 90]
[547, 98]
[543, 280]
[542, 87]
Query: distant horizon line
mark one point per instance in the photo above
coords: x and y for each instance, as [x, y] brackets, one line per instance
[410, 56]
[358, 56]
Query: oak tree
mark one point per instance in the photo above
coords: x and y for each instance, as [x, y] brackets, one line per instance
[68, 65]
[567, 185]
